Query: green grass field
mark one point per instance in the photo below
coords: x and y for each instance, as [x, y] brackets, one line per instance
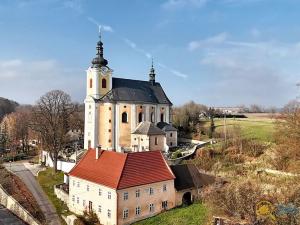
[47, 179]
[195, 214]
[257, 128]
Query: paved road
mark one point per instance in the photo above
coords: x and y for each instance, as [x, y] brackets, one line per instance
[6, 217]
[28, 178]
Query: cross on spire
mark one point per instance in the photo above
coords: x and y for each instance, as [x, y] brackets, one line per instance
[99, 60]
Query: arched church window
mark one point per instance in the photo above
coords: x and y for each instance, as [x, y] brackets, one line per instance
[103, 83]
[140, 117]
[152, 117]
[91, 83]
[162, 117]
[124, 117]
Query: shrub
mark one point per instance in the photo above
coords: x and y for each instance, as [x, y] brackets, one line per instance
[176, 154]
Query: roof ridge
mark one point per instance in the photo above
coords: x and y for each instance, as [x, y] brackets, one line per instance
[126, 155]
[134, 79]
[76, 164]
[167, 165]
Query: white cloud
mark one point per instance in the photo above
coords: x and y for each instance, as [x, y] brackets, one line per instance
[255, 33]
[173, 71]
[34, 78]
[217, 39]
[134, 46]
[261, 72]
[99, 25]
[178, 4]
[75, 5]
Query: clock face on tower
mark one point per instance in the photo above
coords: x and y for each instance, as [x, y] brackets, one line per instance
[104, 70]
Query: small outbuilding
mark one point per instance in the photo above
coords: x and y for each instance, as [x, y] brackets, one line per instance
[189, 182]
[171, 133]
[148, 137]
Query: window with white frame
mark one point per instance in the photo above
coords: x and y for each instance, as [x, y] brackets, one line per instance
[87, 188]
[109, 213]
[151, 191]
[73, 198]
[125, 213]
[73, 183]
[77, 200]
[151, 207]
[100, 192]
[109, 195]
[137, 193]
[78, 184]
[83, 203]
[99, 208]
[125, 196]
[164, 205]
[138, 210]
[164, 187]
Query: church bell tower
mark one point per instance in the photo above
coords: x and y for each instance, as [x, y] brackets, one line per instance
[98, 83]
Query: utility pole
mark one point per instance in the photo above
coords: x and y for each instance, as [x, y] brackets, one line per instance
[225, 130]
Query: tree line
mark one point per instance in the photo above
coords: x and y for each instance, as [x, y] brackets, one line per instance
[48, 121]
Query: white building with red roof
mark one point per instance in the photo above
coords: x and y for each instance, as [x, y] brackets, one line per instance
[121, 188]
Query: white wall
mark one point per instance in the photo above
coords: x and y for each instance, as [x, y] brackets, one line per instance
[78, 189]
[61, 165]
[11, 204]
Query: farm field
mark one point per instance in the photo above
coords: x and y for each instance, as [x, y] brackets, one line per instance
[260, 128]
[195, 214]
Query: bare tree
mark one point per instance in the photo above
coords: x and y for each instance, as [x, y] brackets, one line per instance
[51, 120]
[287, 136]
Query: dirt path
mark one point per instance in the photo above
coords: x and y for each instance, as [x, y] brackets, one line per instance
[31, 182]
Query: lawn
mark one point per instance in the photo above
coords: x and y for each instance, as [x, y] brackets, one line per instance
[47, 180]
[195, 214]
[257, 128]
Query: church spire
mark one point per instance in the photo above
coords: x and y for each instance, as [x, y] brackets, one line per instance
[152, 74]
[99, 60]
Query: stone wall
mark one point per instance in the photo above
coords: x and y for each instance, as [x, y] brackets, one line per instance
[11, 204]
[61, 194]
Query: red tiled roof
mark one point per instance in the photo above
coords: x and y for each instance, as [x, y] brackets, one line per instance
[123, 170]
[106, 170]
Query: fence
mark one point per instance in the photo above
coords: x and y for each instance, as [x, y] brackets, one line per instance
[15, 207]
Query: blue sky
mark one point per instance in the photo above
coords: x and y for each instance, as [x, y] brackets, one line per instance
[215, 52]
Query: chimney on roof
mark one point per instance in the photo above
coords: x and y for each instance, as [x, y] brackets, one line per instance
[98, 151]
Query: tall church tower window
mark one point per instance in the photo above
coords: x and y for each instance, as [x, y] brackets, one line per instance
[152, 117]
[140, 117]
[124, 117]
[91, 83]
[103, 83]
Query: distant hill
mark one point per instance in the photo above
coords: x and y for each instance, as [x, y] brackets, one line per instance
[7, 106]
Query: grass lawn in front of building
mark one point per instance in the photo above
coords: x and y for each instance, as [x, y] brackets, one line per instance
[195, 214]
[47, 179]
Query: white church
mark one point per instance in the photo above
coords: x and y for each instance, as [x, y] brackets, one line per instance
[125, 115]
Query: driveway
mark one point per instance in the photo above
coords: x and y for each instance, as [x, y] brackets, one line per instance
[6, 217]
[26, 172]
